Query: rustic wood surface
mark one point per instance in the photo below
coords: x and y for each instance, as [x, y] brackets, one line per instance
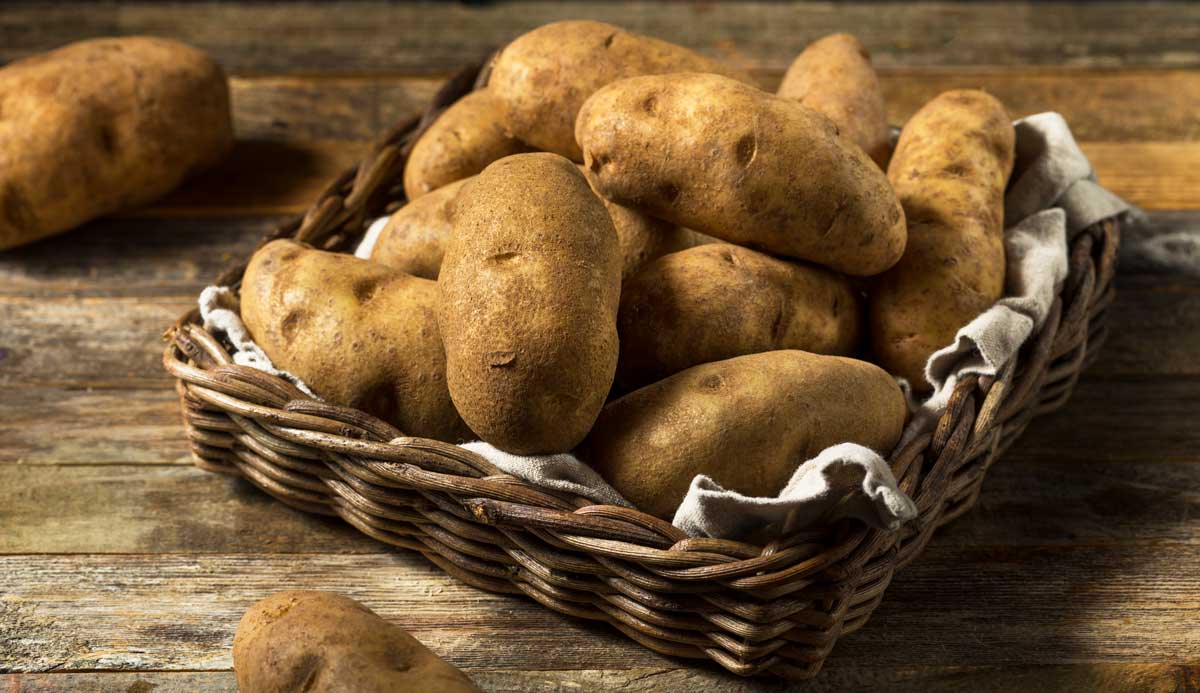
[123, 568]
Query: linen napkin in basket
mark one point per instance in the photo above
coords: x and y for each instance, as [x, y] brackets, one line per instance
[1053, 195]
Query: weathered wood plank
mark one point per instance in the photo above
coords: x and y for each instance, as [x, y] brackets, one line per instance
[131, 258]
[182, 510]
[1111, 678]
[113, 341]
[1100, 105]
[42, 425]
[338, 108]
[423, 38]
[92, 342]
[140, 509]
[990, 607]
[1153, 175]
[1151, 420]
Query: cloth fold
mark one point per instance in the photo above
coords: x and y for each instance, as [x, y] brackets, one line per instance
[1053, 195]
[221, 314]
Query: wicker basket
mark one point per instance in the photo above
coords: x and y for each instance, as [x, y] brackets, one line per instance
[774, 609]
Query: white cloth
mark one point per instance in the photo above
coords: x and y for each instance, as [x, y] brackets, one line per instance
[367, 245]
[845, 480]
[562, 472]
[220, 312]
[1053, 195]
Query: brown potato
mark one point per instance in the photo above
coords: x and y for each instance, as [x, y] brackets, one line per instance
[358, 333]
[834, 77]
[463, 140]
[714, 302]
[642, 238]
[543, 77]
[104, 125]
[415, 236]
[320, 642]
[950, 169]
[731, 161]
[529, 291]
[747, 422]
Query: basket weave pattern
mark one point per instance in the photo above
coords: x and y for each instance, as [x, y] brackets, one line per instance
[775, 609]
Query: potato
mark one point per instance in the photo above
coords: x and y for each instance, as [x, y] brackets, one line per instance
[728, 160]
[463, 140]
[415, 236]
[543, 77]
[747, 422]
[642, 238]
[104, 125]
[358, 333]
[950, 169]
[319, 642]
[529, 291]
[714, 302]
[834, 77]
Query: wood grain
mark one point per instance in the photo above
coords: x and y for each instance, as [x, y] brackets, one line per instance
[153, 509]
[431, 38]
[129, 509]
[130, 258]
[1111, 678]
[86, 342]
[44, 425]
[987, 606]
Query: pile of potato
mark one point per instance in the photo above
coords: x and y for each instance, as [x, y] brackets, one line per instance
[624, 249]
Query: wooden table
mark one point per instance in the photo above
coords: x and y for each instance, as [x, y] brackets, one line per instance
[124, 568]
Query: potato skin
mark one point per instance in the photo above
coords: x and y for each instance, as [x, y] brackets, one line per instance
[415, 236]
[463, 140]
[529, 292]
[728, 160]
[358, 333]
[104, 125]
[950, 169]
[321, 642]
[544, 76]
[714, 302]
[833, 76]
[642, 238]
[747, 422]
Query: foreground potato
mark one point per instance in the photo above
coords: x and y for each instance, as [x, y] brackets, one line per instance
[950, 169]
[358, 333]
[714, 302]
[463, 140]
[528, 311]
[415, 236]
[748, 422]
[320, 642]
[731, 161]
[834, 77]
[543, 77]
[104, 125]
